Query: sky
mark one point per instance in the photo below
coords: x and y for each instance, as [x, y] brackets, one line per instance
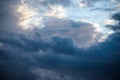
[59, 40]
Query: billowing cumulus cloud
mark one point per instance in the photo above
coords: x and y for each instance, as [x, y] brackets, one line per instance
[82, 33]
[43, 42]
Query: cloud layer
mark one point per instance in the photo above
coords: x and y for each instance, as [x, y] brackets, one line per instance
[64, 49]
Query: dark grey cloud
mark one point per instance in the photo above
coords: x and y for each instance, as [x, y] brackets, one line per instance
[115, 27]
[25, 58]
[60, 57]
[28, 56]
[100, 0]
[104, 9]
[116, 16]
[8, 17]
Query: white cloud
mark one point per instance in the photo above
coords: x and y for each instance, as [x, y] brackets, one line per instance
[118, 6]
[113, 0]
[28, 17]
[110, 22]
[56, 11]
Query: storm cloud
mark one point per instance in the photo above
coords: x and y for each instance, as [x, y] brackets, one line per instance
[64, 49]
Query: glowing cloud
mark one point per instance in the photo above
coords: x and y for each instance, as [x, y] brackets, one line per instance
[110, 22]
[29, 18]
[103, 38]
[56, 11]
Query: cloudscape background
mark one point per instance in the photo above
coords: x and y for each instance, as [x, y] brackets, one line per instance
[59, 40]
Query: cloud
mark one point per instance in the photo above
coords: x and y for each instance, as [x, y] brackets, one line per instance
[28, 18]
[61, 57]
[116, 16]
[84, 4]
[110, 22]
[8, 18]
[104, 9]
[54, 53]
[31, 14]
[45, 74]
[64, 3]
[56, 11]
[58, 2]
[115, 27]
[82, 33]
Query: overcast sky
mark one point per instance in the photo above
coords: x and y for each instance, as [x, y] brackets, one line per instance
[59, 39]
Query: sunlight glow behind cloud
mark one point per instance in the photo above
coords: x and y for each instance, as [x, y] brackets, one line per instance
[110, 22]
[29, 18]
[37, 14]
